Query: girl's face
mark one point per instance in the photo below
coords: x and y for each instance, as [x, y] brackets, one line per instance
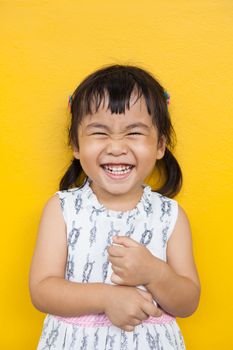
[117, 152]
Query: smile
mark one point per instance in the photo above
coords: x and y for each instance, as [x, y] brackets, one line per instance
[117, 170]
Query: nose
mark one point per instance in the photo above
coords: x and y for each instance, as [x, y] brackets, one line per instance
[116, 147]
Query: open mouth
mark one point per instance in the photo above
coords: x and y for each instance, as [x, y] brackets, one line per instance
[117, 170]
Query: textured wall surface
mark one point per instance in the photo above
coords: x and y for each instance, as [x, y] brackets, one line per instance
[47, 48]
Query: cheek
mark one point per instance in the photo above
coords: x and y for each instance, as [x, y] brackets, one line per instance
[89, 150]
[146, 159]
[144, 149]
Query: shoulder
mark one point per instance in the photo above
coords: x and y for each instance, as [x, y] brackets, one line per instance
[182, 215]
[181, 233]
[182, 221]
[55, 206]
[52, 208]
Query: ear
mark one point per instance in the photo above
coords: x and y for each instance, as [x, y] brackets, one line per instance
[161, 147]
[76, 152]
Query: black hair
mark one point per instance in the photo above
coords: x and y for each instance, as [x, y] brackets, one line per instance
[117, 82]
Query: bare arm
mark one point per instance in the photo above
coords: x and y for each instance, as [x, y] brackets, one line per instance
[176, 288]
[50, 292]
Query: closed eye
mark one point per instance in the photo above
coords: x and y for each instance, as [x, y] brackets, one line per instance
[130, 134]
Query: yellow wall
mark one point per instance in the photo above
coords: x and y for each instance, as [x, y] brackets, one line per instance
[47, 48]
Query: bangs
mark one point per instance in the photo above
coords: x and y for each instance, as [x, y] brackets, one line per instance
[116, 90]
[115, 100]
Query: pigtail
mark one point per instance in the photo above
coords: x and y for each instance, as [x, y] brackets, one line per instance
[172, 173]
[71, 176]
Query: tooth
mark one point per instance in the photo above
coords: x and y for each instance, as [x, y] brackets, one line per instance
[120, 168]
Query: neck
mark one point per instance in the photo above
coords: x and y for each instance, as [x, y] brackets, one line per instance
[118, 202]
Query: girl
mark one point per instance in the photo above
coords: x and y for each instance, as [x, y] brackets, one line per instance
[113, 264]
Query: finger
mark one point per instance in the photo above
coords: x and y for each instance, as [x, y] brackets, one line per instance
[115, 250]
[151, 310]
[158, 313]
[136, 322]
[116, 279]
[128, 328]
[145, 295]
[142, 316]
[117, 261]
[125, 241]
[116, 270]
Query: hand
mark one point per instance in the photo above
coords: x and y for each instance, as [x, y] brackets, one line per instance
[127, 307]
[131, 262]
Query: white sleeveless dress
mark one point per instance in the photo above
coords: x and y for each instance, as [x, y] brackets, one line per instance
[90, 228]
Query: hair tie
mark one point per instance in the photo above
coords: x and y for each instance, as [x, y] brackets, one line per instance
[167, 97]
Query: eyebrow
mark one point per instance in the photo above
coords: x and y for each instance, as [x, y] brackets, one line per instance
[128, 127]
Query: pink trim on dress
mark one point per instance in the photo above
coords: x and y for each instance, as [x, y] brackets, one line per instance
[101, 320]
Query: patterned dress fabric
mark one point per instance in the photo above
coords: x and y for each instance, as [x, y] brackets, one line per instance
[90, 228]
